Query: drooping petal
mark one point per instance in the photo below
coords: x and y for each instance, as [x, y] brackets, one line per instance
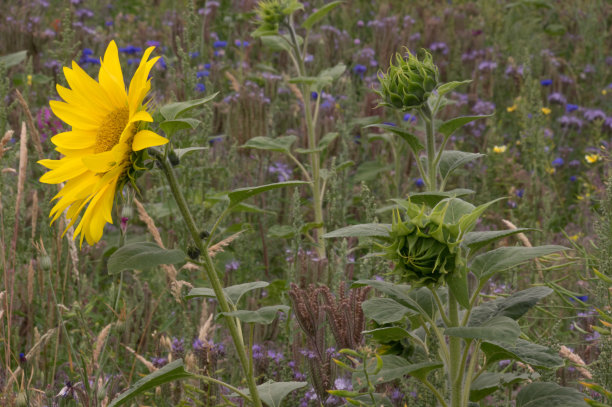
[146, 138]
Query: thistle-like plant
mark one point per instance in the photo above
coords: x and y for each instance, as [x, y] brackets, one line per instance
[439, 269]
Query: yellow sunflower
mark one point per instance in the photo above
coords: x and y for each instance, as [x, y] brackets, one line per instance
[97, 152]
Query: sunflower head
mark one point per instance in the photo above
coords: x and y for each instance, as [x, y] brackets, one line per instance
[272, 14]
[105, 145]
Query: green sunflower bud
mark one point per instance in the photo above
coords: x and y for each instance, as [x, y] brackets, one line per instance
[408, 82]
[45, 262]
[424, 248]
[272, 13]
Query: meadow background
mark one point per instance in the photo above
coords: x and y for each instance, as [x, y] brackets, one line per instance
[543, 69]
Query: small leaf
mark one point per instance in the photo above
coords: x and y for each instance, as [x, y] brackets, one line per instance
[363, 230]
[172, 371]
[477, 240]
[281, 231]
[535, 355]
[272, 393]
[264, 315]
[371, 171]
[241, 194]
[468, 221]
[233, 293]
[327, 139]
[279, 144]
[491, 262]
[305, 80]
[180, 152]
[412, 140]
[451, 160]
[319, 14]
[458, 286]
[142, 256]
[174, 125]
[13, 59]
[394, 367]
[276, 42]
[499, 328]
[450, 86]
[327, 76]
[448, 127]
[173, 110]
[549, 395]
[385, 310]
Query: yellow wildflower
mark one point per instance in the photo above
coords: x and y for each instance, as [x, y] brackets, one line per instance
[592, 158]
[546, 111]
[511, 108]
[499, 149]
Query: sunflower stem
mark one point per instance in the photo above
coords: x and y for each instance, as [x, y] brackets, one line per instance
[211, 273]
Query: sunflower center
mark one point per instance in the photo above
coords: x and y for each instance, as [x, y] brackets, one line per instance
[110, 130]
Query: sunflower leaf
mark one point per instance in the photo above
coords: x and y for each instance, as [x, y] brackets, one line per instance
[173, 110]
[241, 194]
[142, 256]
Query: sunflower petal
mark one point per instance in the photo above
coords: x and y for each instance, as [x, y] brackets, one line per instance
[75, 139]
[101, 162]
[146, 138]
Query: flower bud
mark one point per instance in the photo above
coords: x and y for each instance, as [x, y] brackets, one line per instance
[408, 82]
[21, 400]
[45, 262]
[425, 250]
[272, 13]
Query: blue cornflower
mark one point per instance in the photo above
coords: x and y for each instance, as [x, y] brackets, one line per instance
[546, 82]
[314, 95]
[207, 66]
[360, 69]
[194, 54]
[219, 44]
[419, 182]
[22, 357]
[201, 74]
[109, 23]
[570, 107]
[132, 61]
[558, 162]
[410, 118]
[200, 87]
[573, 178]
[520, 192]
[583, 298]
[87, 51]
[130, 50]
[162, 63]
[239, 43]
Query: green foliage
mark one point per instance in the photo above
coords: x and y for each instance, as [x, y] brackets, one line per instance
[142, 256]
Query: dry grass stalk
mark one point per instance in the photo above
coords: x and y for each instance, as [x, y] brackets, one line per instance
[72, 249]
[31, 278]
[23, 167]
[206, 325]
[100, 341]
[296, 91]
[40, 343]
[218, 248]
[566, 353]
[234, 81]
[145, 362]
[7, 136]
[144, 217]
[176, 288]
[34, 212]
[30, 120]
[526, 242]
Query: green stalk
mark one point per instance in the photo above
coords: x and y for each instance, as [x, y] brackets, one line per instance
[432, 170]
[456, 365]
[211, 273]
[315, 163]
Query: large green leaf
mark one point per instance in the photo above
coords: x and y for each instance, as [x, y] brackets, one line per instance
[513, 307]
[328, 75]
[279, 144]
[431, 199]
[477, 240]
[142, 256]
[549, 395]
[241, 194]
[172, 371]
[412, 140]
[489, 382]
[385, 310]
[173, 110]
[458, 286]
[13, 59]
[233, 293]
[363, 230]
[180, 152]
[319, 14]
[272, 393]
[393, 367]
[451, 160]
[524, 351]
[489, 263]
[448, 127]
[181, 123]
[371, 171]
[399, 292]
[498, 328]
[264, 315]
[276, 42]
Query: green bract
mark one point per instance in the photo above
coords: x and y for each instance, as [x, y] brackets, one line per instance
[272, 13]
[408, 82]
